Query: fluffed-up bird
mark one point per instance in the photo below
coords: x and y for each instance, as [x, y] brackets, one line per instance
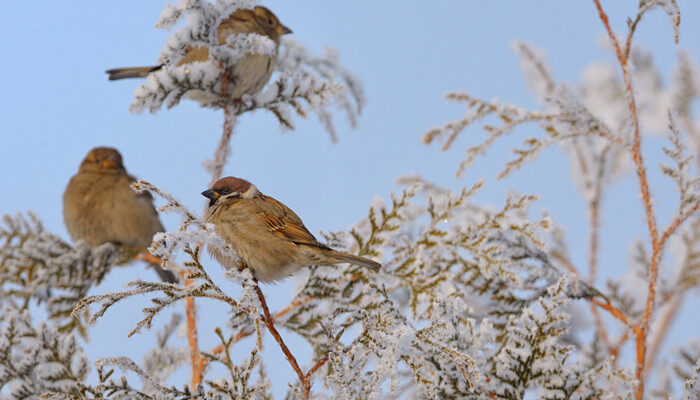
[99, 206]
[267, 236]
[250, 74]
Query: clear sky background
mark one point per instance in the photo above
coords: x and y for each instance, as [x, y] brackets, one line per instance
[57, 104]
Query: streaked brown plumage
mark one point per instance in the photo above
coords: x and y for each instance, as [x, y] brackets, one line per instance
[268, 237]
[250, 74]
[100, 207]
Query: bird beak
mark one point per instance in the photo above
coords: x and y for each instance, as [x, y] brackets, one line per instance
[283, 30]
[109, 163]
[210, 194]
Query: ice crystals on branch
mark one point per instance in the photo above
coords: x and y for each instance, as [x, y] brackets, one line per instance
[305, 83]
[598, 123]
[192, 230]
[669, 6]
[565, 119]
[36, 360]
[188, 239]
[37, 266]
[688, 184]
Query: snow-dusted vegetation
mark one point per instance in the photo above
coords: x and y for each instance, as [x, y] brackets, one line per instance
[474, 301]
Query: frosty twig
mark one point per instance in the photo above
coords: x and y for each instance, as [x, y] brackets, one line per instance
[657, 243]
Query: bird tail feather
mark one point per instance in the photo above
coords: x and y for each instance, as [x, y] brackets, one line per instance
[357, 260]
[131, 72]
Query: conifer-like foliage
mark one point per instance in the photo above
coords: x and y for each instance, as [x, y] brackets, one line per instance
[473, 301]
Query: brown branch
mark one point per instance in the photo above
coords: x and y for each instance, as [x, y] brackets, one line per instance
[643, 326]
[604, 17]
[630, 34]
[273, 331]
[305, 379]
[677, 223]
[306, 383]
[191, 317]
[613, 311]
[316, 366]
[244, 333]
[222, 148]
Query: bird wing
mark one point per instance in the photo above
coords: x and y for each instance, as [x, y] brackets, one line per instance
[194, 54]
[283, 222]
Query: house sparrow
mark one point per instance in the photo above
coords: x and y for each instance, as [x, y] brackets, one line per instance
[250, 74]
[266, 235]
[100, 207]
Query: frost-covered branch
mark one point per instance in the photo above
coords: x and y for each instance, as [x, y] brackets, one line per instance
[37, 266]
[599, 124]
[305, 83]
[36, 360]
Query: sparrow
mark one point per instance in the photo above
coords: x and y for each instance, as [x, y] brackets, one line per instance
[250, 74]
[265, 234]
[100, 207]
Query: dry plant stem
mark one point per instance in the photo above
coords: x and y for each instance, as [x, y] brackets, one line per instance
[673, 300]
[306, 389]
[271, 327]
[677, 223]
[192, 340]
[273, 331]
[222, 148]
[244, 333]
[614, 312]
[642, 328]
[305, 379]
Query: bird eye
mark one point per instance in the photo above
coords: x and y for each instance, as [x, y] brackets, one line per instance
[225, 191]
[269, 21]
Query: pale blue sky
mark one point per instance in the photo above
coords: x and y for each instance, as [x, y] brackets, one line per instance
[58, 104]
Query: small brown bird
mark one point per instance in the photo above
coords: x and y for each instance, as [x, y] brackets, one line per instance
[100, 207]
[266, 235]
[250, 74]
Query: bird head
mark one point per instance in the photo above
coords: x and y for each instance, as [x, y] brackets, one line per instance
[229, 188]
[258, 20]
[102, 159]
[269, 22]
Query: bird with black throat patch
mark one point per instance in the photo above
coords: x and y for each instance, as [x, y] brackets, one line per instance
[267, 236]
